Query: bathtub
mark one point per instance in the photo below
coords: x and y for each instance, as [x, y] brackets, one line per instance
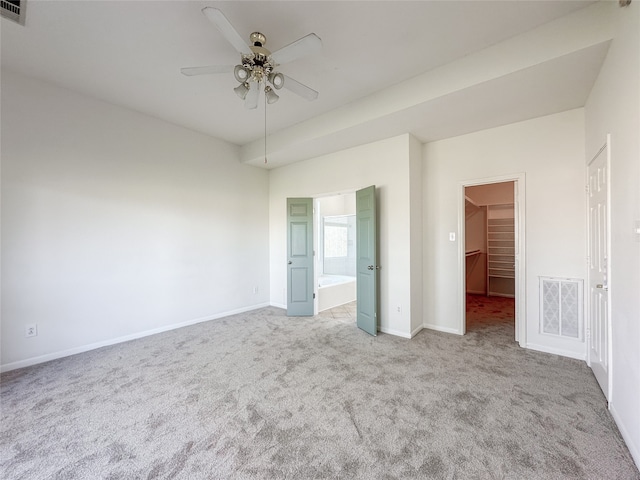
[335, 290]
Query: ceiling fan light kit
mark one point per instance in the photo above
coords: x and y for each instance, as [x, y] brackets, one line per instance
[256, 72]
[270, 95]
[241, 73]
[277, 80]
[242, 90]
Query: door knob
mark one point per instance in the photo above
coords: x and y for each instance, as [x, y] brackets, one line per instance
[289, 262]
[603, 287]
[370, 267]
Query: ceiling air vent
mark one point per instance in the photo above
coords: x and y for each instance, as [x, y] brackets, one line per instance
[13, 10]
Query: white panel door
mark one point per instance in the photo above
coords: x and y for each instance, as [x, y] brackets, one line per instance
[598, 232]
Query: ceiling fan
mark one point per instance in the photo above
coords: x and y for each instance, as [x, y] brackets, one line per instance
[257, 67]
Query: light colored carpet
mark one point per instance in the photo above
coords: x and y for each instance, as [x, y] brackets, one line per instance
[263, 396]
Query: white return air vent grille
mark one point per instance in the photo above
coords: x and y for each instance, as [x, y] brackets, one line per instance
[13, 10]
[561, 307]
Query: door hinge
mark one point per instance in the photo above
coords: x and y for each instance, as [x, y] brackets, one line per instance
[314, 295]
[586, 188]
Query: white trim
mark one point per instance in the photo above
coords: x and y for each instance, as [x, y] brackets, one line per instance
[278, 305]
[439, 328]
[92, 346]
[519, 196]
[610, 306]
[628, 438]
[397, 333]
[416, 331]
[556, 351]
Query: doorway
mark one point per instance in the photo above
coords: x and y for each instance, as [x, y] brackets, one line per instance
[491, 246]
[302, 246]
[335, 244]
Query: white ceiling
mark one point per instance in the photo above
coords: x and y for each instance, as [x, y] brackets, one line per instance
[129, 53]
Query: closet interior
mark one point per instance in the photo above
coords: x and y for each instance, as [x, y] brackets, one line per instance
[490, 242]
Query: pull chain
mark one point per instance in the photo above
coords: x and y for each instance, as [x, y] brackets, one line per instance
[265, 129]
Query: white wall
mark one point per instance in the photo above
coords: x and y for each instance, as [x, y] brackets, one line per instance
[550, 152]
[384, 164]
[614, 107]
[115, 224]
[337, 205]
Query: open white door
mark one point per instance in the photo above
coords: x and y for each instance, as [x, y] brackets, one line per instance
[598, 235]
[367, 265]
[300, 257]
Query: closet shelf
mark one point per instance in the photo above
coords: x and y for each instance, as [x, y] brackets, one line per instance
[500, 249]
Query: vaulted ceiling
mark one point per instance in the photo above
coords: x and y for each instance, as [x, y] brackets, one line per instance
[435, 69]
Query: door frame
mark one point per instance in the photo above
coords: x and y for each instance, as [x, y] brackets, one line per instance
[520, 258]
[605, 148]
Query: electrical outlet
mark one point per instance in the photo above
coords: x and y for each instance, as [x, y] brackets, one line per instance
[399, 309]
[31, 330]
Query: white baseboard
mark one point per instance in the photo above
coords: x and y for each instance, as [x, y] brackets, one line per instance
[634, 449]
[105, 343]
[278, 305]
[416, 331]
[397, 333]
[440, 328]
[556, 351]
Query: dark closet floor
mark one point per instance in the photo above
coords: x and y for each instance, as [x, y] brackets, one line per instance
[483, 310]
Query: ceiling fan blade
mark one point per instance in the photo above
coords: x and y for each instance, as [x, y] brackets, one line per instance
[251, 100]
[304, 46]
[216, 17]
[211, 69]
[299, 89]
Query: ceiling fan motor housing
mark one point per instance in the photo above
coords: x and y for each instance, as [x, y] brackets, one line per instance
[258, 39]
[257, 65]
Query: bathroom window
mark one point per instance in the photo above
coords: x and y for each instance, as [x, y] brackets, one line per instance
[336, 237]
